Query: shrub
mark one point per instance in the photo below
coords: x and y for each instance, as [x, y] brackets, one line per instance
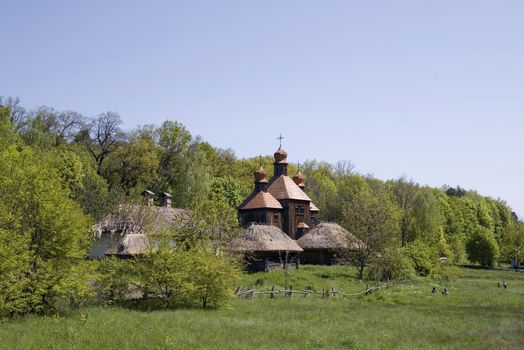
[213, 277]
[423, 258]
[15, 288]
[113, 278]
[76, 287]
[180, 276]
[392, 264]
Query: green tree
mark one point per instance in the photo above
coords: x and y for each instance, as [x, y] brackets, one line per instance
[133, 166]
[226, 189]
[165, 273]
[214, 275]
[15, 282]
[42, 217]
[375, 222]
[482, 248]
[405, 192]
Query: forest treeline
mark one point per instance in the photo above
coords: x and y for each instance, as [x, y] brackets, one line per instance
[60, 172]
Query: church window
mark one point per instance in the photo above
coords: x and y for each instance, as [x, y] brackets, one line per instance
[299, 211]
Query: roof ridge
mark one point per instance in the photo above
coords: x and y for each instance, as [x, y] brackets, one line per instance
[283, 187]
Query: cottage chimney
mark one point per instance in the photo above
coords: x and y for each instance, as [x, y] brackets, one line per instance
[166, 200]
[149, 197]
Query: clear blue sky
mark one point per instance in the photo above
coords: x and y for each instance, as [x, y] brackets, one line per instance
[430, 89]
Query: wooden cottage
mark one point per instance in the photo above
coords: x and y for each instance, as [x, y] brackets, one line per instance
[326, 243]
[265, 248]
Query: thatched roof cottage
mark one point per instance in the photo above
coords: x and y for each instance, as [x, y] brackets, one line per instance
[325, 243]
[135, 221]
[266, 248]
[130, 245]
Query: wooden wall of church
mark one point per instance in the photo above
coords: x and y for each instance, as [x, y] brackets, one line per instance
[295, 212]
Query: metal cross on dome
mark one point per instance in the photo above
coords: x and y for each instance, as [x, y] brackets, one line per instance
[280, 138]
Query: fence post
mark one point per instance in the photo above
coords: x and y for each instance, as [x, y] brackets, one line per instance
[305, 291]
[272, 295]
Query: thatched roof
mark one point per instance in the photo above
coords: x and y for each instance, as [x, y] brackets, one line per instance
[130, 244]
[135, 219]
[263, 238]
[328, 235]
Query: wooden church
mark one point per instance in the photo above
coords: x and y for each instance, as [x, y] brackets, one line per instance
[280, 201]
[280, 224]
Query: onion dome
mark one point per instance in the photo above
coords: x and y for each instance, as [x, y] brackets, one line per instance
[299, 179]
[261, 175]
[280, 156]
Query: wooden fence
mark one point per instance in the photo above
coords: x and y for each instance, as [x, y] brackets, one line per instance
[251, 293]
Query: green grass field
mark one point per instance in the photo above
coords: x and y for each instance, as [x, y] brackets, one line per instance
[475, 315]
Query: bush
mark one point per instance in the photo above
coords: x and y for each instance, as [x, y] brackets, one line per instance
[179, 276]
[113, 278]
[76, 288]
[423, 258]
[15, 288]
[392, 264]
[213, 277]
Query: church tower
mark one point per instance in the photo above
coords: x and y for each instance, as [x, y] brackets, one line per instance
[280, 164]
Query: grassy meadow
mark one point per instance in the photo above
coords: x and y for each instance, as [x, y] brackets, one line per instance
[475, 315]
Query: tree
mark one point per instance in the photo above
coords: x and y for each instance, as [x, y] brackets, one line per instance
[512, 247]
[179, 275]
[214, 274]
[374, 222]
[101, 137]
[482, 248]
[427, 220]
[36, 129]
[17, 113]
[8, 136]
[165, 273]
[15, 282]
[133, 165]
[228, 190]
[49, 232]
[405, 192]
[66, 125]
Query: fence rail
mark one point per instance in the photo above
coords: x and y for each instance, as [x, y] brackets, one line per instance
[251, 293]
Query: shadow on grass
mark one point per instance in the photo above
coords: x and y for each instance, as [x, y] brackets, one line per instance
[157, 304]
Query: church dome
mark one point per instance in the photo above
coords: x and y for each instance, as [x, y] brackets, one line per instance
[280, 155]
[261, 175]
[299, 179]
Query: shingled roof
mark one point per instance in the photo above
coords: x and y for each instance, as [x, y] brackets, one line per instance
[260, 200]
[285, 188]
